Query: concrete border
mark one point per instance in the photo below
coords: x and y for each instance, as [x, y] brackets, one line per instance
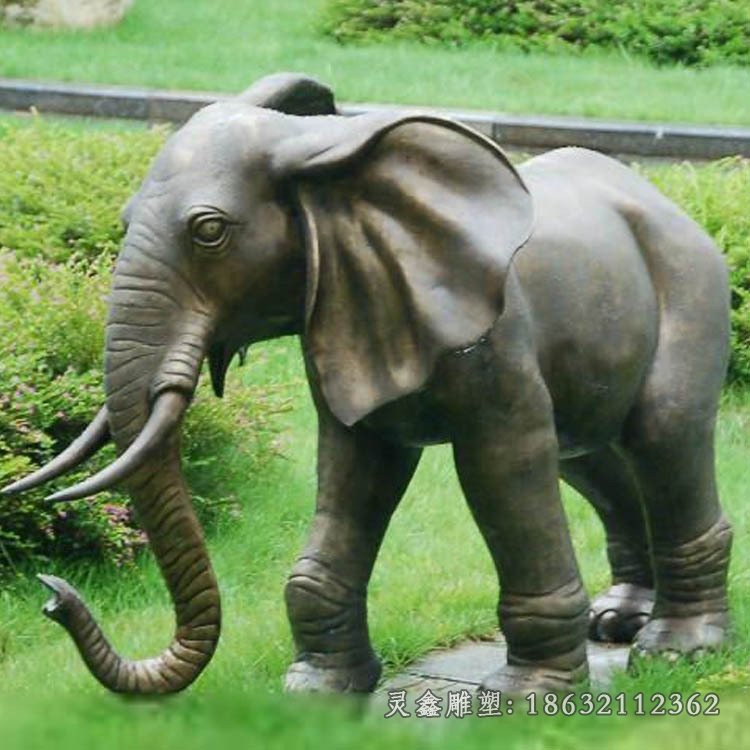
[526, 132]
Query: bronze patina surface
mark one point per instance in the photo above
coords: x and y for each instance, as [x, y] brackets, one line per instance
[559, 319]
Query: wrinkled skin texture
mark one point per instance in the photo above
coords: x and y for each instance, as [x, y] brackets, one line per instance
[564, 319]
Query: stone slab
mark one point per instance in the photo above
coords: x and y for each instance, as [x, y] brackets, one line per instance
[654, 140]
[463, 667]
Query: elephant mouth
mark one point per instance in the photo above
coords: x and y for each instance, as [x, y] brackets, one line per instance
[219, 357]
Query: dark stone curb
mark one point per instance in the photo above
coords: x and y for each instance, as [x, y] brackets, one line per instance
[525, 132]
[102, 101]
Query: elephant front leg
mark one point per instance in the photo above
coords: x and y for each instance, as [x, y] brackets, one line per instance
[328, 616]
[509, 472]
[360, 482]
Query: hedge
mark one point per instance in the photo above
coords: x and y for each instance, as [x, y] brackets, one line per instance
[51, 334]
[687, 32]
[61, 192]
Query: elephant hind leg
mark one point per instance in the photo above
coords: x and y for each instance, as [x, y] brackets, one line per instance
[669, 440]
[606, 480]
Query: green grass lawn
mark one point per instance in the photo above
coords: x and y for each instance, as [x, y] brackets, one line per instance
[227, 44]
[433, 584]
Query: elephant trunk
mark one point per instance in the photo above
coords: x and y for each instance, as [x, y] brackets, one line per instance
[144, 361]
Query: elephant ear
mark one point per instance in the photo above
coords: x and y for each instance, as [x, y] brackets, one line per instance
[291, 93]
[411, 223]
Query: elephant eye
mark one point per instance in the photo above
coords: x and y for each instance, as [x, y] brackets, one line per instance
[210, 232]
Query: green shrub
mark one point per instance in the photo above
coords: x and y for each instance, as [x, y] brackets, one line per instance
[60, 196]
[51, 336]
[62, 190]
[688, 32]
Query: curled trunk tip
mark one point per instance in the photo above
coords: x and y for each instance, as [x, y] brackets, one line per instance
[170, 672]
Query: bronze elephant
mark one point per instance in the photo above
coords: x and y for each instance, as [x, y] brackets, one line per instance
[561, 319]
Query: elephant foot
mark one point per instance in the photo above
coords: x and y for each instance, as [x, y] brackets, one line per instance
[520, 680]
[672, 638]
[619, 614]
[304, 677]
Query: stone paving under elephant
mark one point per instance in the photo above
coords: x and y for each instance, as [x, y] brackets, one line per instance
[559, 319]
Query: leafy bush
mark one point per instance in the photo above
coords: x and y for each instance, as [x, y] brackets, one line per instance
[51, 334]
[689, 32]
[62, 189]
[60, 196]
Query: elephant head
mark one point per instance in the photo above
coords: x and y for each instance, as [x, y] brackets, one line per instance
[383, 240]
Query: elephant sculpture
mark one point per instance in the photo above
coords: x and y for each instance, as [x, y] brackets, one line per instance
[561, 319]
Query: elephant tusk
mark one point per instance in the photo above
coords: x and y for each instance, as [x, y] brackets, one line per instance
[94, 437]
[166, 414]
